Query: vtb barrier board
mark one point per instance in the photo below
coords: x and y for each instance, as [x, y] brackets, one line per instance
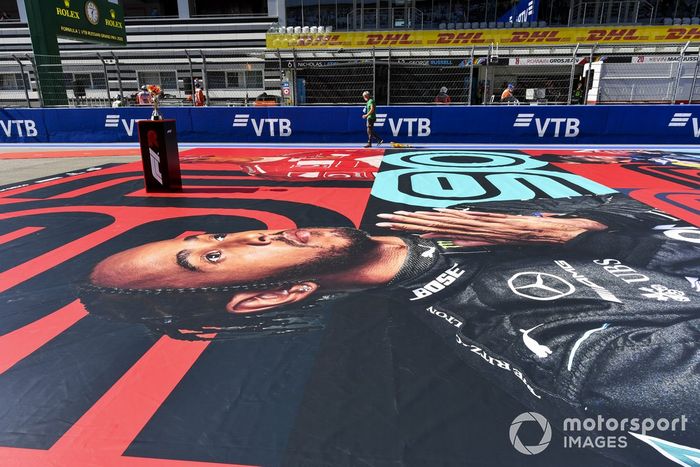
[415, 125]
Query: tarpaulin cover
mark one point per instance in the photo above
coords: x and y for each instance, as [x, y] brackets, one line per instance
[400, 307]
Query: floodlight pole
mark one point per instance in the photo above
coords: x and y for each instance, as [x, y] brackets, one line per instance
[571, 78]
[24, 79]
[189, 60]
[104, 66]
[205, 81]
[695, 78]
[680, 71]
[119, 75]
[471, 77]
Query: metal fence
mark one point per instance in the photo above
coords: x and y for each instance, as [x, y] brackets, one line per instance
[469, 76]
[564, 75]
[228, 77]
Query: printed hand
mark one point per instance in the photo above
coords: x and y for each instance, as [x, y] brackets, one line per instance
[364, 116]
[474, 228]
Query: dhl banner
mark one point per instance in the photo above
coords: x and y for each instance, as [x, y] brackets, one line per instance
[476, 37]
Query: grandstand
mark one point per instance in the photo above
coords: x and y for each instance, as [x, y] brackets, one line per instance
[223, 44]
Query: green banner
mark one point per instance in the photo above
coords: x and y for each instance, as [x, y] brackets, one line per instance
[99, 21]
[91, 20]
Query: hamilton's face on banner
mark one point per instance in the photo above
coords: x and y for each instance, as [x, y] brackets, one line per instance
[233, 258]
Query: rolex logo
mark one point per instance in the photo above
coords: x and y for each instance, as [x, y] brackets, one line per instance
[112, 13]
[66, 3]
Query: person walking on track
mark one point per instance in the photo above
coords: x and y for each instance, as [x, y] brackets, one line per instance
[370, 115]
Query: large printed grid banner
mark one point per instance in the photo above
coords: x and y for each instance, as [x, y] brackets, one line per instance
[335, 307]
[414, 125]
[484, 37]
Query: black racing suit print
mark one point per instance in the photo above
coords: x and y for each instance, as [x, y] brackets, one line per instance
[608, 323]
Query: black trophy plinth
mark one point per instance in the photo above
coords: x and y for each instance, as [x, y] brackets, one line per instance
[159, 154]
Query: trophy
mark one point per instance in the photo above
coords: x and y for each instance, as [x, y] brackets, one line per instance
[155, 99]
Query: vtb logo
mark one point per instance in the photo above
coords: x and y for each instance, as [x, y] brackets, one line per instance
[559, 127]
[275, 126]
[16, 127]
[420, 125]
[113, 120]
[681, 120]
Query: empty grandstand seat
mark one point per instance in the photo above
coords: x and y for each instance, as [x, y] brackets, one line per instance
[695, 20]
[290, 29]
[313, 29]
[329, 29]
[297, 29]
[450, 25]
[685, 21]
[459, 25]
[483, 25]
[500, 25]
[492, 24]
[543, 24]
[676, 21]
[508, 25]
[442, 26]
[475, 25]
[517, 24]
[305, 30]
[668, 21]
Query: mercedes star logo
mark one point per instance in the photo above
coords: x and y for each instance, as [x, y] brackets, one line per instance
[540, 286]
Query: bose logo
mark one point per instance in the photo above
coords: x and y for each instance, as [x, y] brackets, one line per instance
[421, 125]
[276, 126]
[113, 120]
[439, 283]
[28, 125]
[681, 119]
[571, 125]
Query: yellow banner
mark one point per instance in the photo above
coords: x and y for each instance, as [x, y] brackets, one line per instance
[477, 37]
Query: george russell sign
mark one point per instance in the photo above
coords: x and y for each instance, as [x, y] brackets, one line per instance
[416, 125]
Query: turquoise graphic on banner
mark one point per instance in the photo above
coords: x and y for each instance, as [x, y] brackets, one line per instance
[446, 178]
